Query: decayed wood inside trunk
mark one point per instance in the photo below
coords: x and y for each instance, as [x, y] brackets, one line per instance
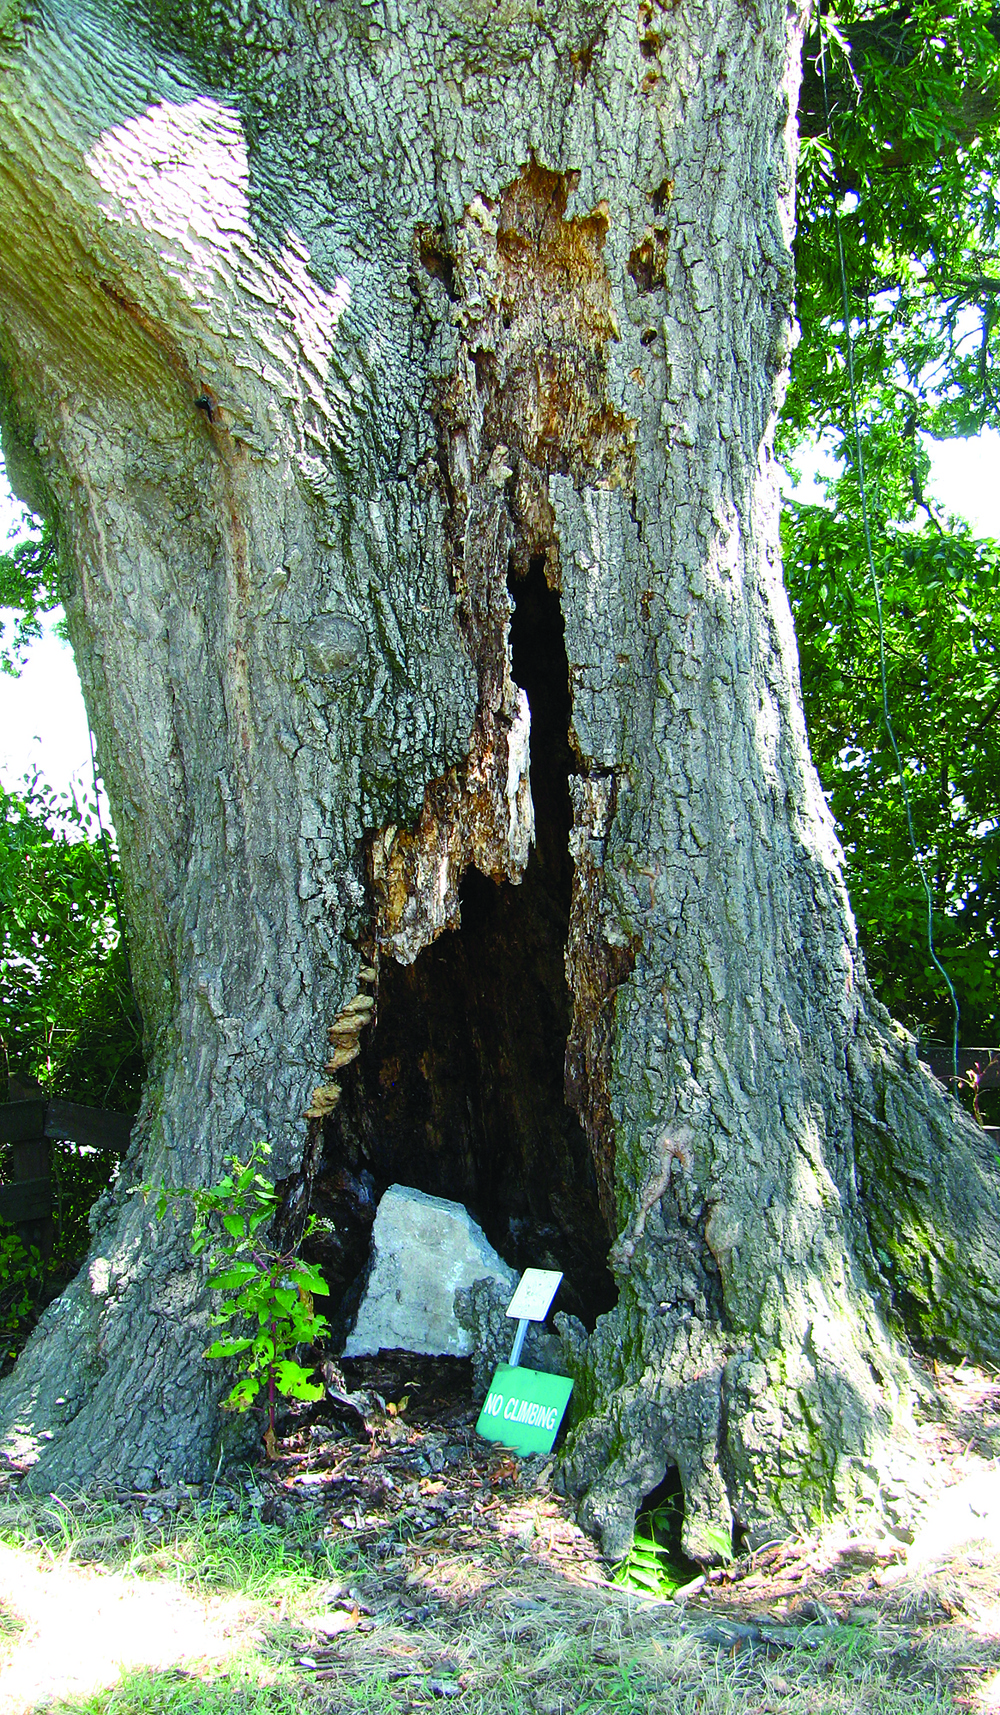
[460, 1086]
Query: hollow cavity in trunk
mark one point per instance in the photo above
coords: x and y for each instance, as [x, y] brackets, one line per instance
[459, 1090]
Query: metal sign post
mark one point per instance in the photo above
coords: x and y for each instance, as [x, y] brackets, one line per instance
[519, 1338]
[535, 1291]
[524, 1408]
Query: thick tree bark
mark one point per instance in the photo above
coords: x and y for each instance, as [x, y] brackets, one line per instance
[328, 334]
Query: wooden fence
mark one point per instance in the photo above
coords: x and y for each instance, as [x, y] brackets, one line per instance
[27, 1129]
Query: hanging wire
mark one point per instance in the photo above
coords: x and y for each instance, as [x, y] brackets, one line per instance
[886, 715]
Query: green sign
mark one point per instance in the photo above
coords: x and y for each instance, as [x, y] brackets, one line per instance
[524, 1408]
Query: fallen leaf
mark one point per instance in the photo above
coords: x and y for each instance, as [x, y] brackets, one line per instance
[343, 1620]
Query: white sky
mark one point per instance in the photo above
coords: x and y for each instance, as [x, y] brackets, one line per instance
[43, 723]
[965, 478]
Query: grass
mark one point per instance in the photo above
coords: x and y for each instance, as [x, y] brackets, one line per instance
[177, 1693]
[218, 1545]
[477, 1624]
[575, 1684]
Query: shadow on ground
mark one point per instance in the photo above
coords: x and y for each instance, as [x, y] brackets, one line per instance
[390, 1561]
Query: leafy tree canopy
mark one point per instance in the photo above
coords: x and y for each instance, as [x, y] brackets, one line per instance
[67, 1017]
[899, 117]
[63, 964]
[29, 586]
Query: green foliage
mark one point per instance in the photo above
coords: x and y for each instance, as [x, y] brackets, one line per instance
[940, 595]
[903, 140]
[653, 1563]
[901, 137]
[29, 578]
[67, 1017]
[21, 1272]
[271, 1292]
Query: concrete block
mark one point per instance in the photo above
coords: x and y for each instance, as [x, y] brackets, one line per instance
[424, 1250]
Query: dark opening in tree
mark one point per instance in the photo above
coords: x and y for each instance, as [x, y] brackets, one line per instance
[459, 1089]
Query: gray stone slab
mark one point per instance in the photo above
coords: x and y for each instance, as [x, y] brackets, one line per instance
[424, 1250]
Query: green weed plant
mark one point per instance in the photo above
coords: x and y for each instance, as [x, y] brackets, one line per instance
[652, 1564]
[270, 1291]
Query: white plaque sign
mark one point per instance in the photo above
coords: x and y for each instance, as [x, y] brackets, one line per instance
[535, 1291]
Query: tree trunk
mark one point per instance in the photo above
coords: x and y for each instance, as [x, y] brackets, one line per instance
[401, 382]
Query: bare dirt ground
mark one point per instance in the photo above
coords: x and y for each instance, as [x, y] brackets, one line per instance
[459, 1574]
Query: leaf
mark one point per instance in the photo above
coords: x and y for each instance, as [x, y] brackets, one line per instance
[229, 1308]
[228, 1348]
[234, 1276]
[242, 1396]
[641, 1578]
[308, 1276]
[720, 1541]
[293, 1381]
